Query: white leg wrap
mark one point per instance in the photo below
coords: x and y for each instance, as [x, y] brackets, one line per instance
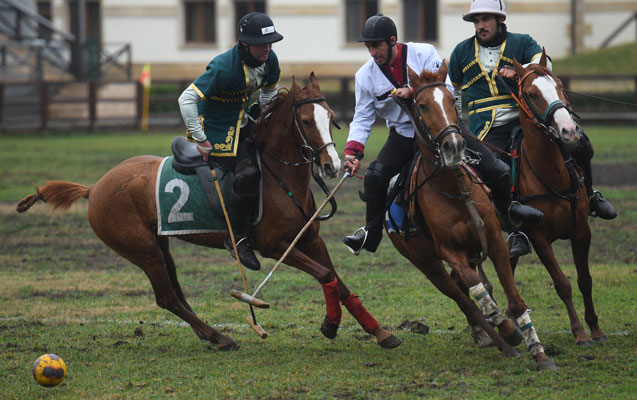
[490, 310]
[529, 333]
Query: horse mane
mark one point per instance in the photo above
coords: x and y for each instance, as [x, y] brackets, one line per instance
[259, 133]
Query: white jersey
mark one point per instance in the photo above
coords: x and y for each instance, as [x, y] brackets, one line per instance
[373, 87]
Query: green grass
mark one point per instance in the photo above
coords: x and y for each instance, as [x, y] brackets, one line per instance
[64, 291]
[617, 60]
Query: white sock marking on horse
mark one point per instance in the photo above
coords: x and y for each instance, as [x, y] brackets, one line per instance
[322, 119]
[489, 309]
[529, 333]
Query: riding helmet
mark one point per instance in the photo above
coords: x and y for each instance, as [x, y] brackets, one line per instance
[257, 28]
[378, 27]
[496, 7]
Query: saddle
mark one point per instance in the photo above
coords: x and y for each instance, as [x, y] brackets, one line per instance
[188, 161]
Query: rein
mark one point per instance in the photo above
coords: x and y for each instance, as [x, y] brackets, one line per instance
[307, 144]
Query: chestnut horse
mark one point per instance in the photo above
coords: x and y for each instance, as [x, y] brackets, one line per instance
[293, 133]
[549, 182]
[451, 214]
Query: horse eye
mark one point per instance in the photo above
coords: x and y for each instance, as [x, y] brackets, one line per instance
[422, 107]
[306, 122]
[533, 96]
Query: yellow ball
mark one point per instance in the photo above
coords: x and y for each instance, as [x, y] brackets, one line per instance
[49, 370]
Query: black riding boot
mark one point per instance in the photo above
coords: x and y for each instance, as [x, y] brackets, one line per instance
[369, 236]
[598, 206]
[512, 212]
[240, 215]
[240, 211]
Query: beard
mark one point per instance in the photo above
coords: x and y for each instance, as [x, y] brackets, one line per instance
[498, 38]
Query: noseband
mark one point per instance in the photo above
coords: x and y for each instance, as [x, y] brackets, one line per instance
[307, 144]
[435, 140]
[542, 120]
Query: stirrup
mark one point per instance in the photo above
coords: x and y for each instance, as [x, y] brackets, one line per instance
[362, 244]
[519, 235]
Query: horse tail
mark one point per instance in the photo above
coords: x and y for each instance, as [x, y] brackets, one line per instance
[60, 195]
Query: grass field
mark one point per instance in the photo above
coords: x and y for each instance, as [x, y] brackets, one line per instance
[64, 291]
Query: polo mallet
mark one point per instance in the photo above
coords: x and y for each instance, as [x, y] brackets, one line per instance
[252, 321]
[251, 299]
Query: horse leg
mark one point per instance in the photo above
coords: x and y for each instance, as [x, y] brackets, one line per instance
[325, 274]
[500, 257]
[171, 269]
[437, 274]
[479, 335]
[562, 286]
[141, 247]
[580, 246]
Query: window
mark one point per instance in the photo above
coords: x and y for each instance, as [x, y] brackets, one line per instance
[200, 21]
[243, 7]
[44, 9]
[356, 13]
[420, 20]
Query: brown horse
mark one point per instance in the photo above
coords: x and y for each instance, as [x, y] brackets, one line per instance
[551, 184]
[294, 133]
[456, 221]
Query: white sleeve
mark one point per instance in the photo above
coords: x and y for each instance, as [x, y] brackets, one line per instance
[188, 106]
[536, 60]
[364, 115]
[267, 94]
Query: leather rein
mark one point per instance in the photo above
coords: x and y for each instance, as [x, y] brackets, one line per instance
[309, 153]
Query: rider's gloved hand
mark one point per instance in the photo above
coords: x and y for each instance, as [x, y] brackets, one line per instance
[204, 148]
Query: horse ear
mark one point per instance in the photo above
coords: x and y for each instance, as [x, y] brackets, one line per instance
[518, 67]
[314, 81]
[294, 86]
[442, 71]
[543, 58]
[414, 79]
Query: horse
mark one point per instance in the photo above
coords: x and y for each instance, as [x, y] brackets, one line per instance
[455, 221]
[549, 182]
[293, 135]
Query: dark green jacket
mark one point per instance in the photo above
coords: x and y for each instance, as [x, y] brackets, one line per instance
[483, 92]
[225, 90]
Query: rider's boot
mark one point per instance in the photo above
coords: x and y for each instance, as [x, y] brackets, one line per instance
[369, 236]
[240, 212]
[598, 206]
[512, 212]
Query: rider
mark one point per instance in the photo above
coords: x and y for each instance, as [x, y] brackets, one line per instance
[213, 108]
[385, 75]
[493, 113]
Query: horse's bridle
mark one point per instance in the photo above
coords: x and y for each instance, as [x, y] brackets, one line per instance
[542, 120]
[421, 126]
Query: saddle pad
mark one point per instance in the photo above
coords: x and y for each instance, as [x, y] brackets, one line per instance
[182, 206]
[398, 216]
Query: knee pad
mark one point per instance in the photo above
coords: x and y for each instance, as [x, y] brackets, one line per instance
[246, 179]
[376, 181]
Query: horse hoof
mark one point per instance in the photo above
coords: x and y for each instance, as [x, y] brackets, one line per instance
[229, 346]
[328, 329]
[601, 339]
[515, 338]
[584, 343]
[480, 337]
[512, 352]
[390, 342]
[546, 366]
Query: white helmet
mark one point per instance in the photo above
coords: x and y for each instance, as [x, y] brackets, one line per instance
[485, 7]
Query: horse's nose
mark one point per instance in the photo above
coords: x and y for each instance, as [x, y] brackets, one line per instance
[329, 170]
[452, 151]
[570, 133]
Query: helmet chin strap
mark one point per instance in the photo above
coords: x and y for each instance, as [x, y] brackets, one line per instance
[247, 57]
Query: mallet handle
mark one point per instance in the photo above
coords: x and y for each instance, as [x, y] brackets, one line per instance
[307, 225]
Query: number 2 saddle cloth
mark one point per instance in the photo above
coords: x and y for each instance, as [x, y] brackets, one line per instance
[188, 203]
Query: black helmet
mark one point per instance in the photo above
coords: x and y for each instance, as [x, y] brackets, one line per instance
[257, 28]
[378, 27]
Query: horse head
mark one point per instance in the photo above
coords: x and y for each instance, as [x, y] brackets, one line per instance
[313, 119]
[542, 99]
[433, 105]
